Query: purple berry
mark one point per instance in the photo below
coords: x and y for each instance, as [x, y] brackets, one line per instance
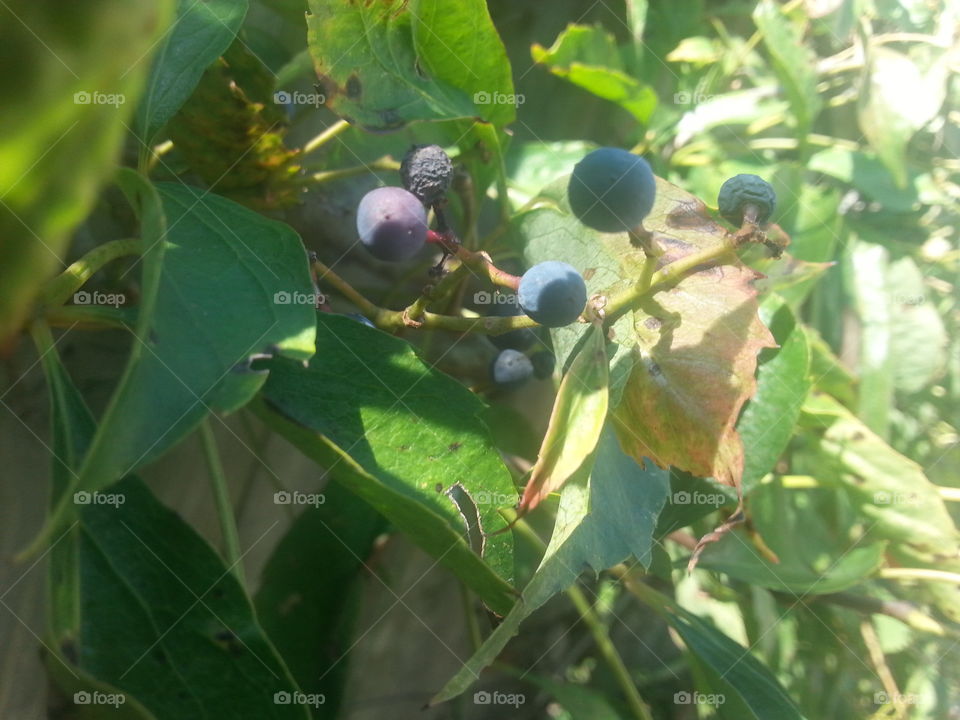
[392, 224]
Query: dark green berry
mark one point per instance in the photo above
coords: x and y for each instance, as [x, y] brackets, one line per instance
[746, 197]
[426, 171]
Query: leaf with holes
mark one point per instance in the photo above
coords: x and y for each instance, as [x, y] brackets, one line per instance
[383, 65]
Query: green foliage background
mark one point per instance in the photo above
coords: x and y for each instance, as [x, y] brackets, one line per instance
[838, 598]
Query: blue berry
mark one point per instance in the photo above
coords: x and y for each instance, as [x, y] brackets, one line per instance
[552, 293]
[746, 189]
[426, 171]
[511, 368]
[392, 223]
[612, 190]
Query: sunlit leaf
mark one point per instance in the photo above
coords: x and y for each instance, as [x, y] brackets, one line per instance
[896, 99]
[589, 57]
[386, 64]
[62, 125]
[579, 413]
[407, 439]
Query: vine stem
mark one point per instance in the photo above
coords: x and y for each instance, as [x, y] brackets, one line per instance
[949, 494]
[396, 319]
[324, 176]
[671, 274]
[326, 136]
[63, 286]
[221, 496]
[901, 610]
[597, 629]
[920, 574]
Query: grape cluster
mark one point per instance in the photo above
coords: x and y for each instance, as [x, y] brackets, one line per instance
[393, 226]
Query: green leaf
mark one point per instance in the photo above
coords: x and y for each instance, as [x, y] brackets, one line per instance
[220, 261]
[896, 99]
[577, 419]
[783, 381]
[589, 57]
[141, 604]
[308, 601]
[62, 127]
[793, 62]
[831, 375]
[740, 674]
[888, 489]
[690, 499]
[162, 619]
[407, 439]
[200, 34]
[867, 173]
[600, 522]
[866, 274]
[918, 338]
[826, 561]
[383, 65]
[532, 165]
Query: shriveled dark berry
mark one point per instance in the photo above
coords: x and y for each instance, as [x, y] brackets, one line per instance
[426, 171]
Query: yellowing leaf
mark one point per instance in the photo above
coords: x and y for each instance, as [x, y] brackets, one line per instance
[695, 353]
[575, 423]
